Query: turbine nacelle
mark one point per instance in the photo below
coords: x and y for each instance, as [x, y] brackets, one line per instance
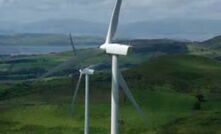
[116, 49]
[87, 71]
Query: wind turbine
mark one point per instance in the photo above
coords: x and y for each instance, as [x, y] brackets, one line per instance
[116, 50]
[87, 72]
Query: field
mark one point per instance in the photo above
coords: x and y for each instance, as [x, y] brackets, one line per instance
[166, 88]
[45, 115]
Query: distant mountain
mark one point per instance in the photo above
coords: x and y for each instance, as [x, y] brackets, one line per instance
[46, 39]
[166, 28]
[3, 31]
[213, 43]
[8, 27]
[140, 45]
[173, 29]
[167, 46]
[77, 27]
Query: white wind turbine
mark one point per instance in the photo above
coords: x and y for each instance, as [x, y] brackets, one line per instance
[116, 49]
[87, 72]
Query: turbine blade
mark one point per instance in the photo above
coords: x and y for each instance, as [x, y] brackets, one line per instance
[70, 63]
[59, 68]
[114, 22]
[72, 44]
[128, 93]
[75, 93]
[93, 66]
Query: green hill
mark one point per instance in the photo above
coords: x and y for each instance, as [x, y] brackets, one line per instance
[199, 123]
[167, 46]
[165, 87]
[209, 48]
[26, 67]
[213, 43]
[184, 73]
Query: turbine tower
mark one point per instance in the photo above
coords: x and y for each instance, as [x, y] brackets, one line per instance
[87, 72]
[116, 50]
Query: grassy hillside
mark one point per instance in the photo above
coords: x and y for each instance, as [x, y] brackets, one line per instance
[197, 49]
[167, 46]
[26, 67]
[209, 48]
[165, 87]
[199, 123]
[182, 73]
[213, 43]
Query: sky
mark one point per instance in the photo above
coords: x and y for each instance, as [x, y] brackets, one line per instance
[100, 10]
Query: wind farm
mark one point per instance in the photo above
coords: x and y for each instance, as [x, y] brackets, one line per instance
[117, 75]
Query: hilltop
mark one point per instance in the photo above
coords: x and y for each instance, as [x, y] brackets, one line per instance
[213, 43]
[209, 48]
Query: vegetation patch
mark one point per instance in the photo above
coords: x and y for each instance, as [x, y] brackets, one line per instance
[198, 123]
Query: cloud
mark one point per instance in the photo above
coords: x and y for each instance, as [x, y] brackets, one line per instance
[100, 10]
[3, 2]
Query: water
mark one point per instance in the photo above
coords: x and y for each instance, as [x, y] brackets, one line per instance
[31, 50]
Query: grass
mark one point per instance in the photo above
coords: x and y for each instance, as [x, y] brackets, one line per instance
[183, 73]
[201, 50]
[160, 107]
[165, 87]
[200, 123]
[26, 67]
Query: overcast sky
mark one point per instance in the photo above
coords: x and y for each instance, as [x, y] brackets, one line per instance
[100, 10]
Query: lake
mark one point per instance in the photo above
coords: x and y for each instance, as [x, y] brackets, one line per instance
[30, 50]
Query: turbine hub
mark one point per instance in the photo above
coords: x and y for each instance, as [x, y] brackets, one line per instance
[117, 49]
[103, 46]
[87, 71]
